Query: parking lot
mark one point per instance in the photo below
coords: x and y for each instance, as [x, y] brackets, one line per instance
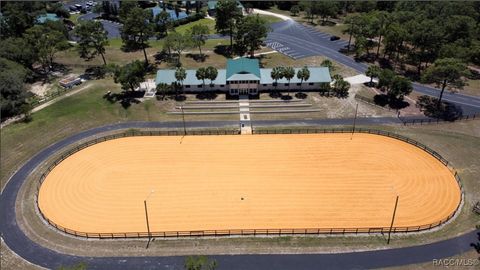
[279, 40]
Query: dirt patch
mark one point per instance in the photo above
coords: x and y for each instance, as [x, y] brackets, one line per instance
[201, 200]
[40, 89]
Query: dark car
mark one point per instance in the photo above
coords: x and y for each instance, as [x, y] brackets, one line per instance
[333, 38]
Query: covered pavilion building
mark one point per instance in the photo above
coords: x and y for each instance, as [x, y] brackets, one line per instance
[243, 76]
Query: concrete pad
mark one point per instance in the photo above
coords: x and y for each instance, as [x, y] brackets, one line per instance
[359, 79]
[283, 17]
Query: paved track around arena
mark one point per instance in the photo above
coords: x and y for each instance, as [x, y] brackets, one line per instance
[232, 182]
[17, 241]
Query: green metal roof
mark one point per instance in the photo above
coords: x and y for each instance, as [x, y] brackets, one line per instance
[243, 66]
[47, 17]
[317, 75]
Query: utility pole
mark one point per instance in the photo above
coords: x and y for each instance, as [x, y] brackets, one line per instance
[393, 219]
[183, 117]
[354, 121]
[148, 224]
[146, 216]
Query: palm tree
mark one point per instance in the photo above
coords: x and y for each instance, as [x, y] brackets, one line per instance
[211, 73]
[373, 71]
[201, 74]
[303, 74]
[288, 73]
[180, 76]
[329, 64]
[163, 88]
[277, 74]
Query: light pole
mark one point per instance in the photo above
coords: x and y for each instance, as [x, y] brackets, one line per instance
[146, 215]
[393, 215]
[354, 121]
[183, 117]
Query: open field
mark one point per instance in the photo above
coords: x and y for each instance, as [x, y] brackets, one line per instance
[208, 22]
[115, 55]
[314, 181]
[268, 18]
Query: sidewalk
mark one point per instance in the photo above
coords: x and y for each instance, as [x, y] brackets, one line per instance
[244, 109]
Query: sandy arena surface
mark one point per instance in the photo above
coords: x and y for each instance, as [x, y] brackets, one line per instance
[286, 181]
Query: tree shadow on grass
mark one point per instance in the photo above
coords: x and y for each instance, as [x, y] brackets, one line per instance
[223, 50]
[207, 96]
[198, 57]
[161, 56]
[385, 63]
[445, 110]
[394, 103]
[125, 98]
[301, 95]
[179, 98]
[275, 94]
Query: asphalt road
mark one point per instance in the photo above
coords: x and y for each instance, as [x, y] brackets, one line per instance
[298, 41]
[36, 254]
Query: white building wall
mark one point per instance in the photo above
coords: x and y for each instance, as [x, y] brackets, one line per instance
[293, 86]
[244, 86]
[259, 87]
[207, 87]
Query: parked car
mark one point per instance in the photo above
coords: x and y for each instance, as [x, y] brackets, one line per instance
[333, 38]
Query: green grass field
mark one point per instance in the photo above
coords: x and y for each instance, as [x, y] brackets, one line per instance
[269, 19]
[183, 28]
[74, 17]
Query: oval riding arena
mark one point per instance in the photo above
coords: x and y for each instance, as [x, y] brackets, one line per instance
[134, 186]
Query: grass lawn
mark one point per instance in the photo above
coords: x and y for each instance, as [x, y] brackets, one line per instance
[268, 18]
[117, 43]
[275, 9]
[115, 55]
[183, 28]
[74, 17]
